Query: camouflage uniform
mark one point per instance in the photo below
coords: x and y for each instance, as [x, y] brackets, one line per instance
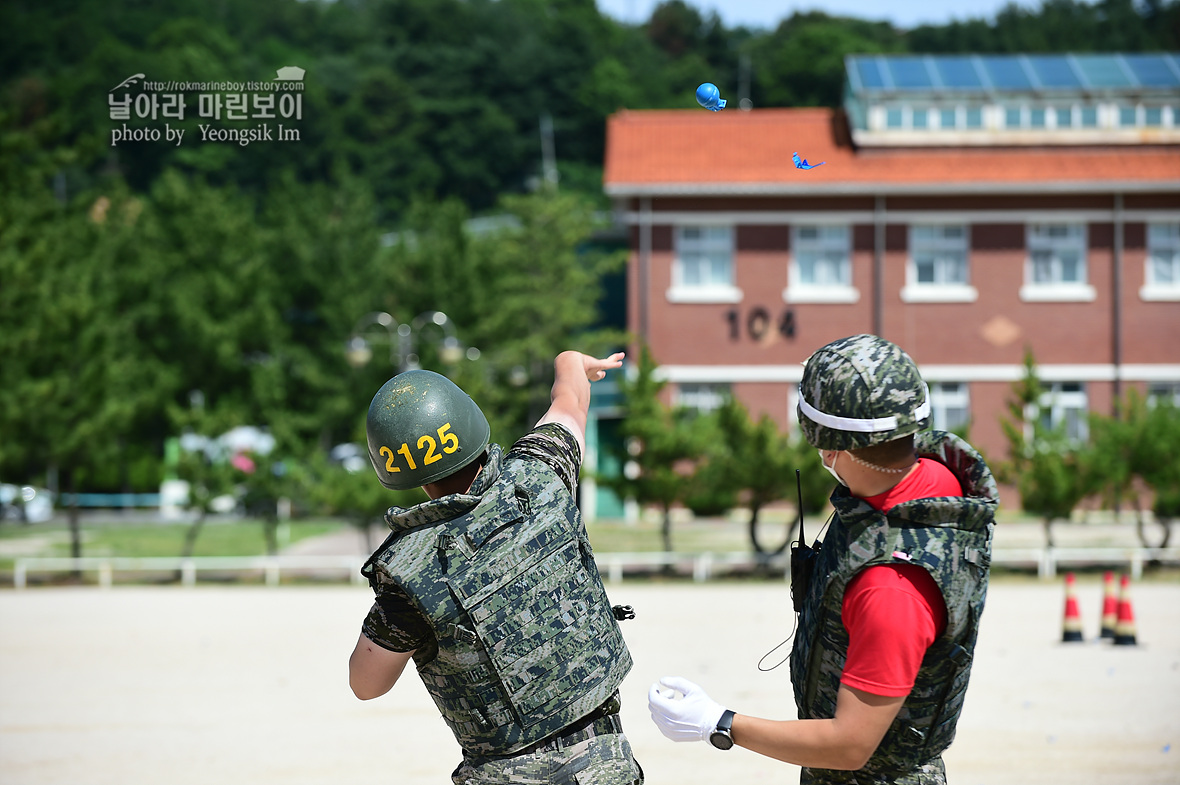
[951, 538]
[497, 593]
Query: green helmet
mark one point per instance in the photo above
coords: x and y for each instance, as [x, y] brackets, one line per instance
[421, 427]
[861, 391]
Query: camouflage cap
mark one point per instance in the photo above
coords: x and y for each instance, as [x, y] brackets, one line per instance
[860, 391]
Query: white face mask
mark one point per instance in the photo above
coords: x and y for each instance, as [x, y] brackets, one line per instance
[832, 469]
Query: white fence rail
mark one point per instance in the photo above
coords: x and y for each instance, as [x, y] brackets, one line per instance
[1047, 560]
[614, 566]
[271, 567]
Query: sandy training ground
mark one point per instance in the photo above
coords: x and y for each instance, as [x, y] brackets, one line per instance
[171, 686]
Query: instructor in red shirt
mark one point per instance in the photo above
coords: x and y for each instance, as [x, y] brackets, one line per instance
[890, 615]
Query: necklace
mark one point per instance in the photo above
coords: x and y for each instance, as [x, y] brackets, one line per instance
[863, 462]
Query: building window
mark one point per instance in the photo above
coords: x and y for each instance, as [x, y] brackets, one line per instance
[937, 270]
[921, 118]
[950, 406]
[1162, 277]
[1063, 406]
[1127, 116]
[703, 398]
[1064, 117]
[974, 117]
[1164, 392]
[894, 118]
[946, 118]
[703, 269]
[821, 265]
[1012, 116]
[1036, 117]
[1058, 253]
[1153, 116]
[1089, 117]
[1056, 267]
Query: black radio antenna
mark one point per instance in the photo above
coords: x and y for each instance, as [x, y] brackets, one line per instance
[799, 488]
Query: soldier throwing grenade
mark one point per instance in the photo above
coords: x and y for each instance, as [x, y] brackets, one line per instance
[491, 586]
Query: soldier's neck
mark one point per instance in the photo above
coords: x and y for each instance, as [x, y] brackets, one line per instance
[459, 482]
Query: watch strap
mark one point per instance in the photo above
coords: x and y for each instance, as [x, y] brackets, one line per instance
[722, 735]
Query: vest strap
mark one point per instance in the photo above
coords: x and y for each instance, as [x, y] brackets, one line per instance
[977, 557]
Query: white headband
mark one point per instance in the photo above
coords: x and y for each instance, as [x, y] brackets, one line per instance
[859, 425]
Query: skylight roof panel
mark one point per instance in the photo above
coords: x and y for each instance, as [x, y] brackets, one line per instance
[909, 73]
[1054, 71]
[869, 71]
[1006, 73]
[957, 73]
[1153, 70]
[1103, 71]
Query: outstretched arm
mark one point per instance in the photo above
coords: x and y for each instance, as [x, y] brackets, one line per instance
[570, 396]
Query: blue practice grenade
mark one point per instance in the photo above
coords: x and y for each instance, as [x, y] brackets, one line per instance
[709, 97]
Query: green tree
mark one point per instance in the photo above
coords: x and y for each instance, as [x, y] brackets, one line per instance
[661, 446]
[356, 496]
[1157, 461]
[1136, 449]
[802, 62]
[208, 479]
[521, 289]
[1110, 470]
[272, 478]
[76, 379]
[1047, 468]
[757, 460]
[754, 459]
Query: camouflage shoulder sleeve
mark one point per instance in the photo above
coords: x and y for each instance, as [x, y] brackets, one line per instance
[394, 623]
[554, 445]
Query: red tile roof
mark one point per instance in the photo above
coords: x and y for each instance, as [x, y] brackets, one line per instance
[691, 151]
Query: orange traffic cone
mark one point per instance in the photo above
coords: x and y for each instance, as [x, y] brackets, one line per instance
[1071, 629]
[1110, 605]
[1124, 630]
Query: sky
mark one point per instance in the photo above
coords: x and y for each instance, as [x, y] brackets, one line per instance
[768, 13]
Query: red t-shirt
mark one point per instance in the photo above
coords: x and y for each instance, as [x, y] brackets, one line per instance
[893, 612]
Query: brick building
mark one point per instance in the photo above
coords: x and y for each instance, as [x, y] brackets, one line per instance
[967, 208]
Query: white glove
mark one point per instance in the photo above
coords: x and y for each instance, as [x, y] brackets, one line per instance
[691, 718]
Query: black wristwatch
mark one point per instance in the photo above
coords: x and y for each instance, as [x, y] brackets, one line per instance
[722, 735]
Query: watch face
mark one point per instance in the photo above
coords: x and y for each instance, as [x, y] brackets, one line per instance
[721, 741]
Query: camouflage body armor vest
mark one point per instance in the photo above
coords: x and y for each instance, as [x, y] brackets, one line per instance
[951, 538]
[527, 643]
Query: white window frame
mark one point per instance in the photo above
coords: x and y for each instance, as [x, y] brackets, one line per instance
[1049, 238]
[946, 397]
[1163, 246]
[714, 239]
[830, 240]
[703, 397]
[1158, 391]
[1057, 402]
[947, 251]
